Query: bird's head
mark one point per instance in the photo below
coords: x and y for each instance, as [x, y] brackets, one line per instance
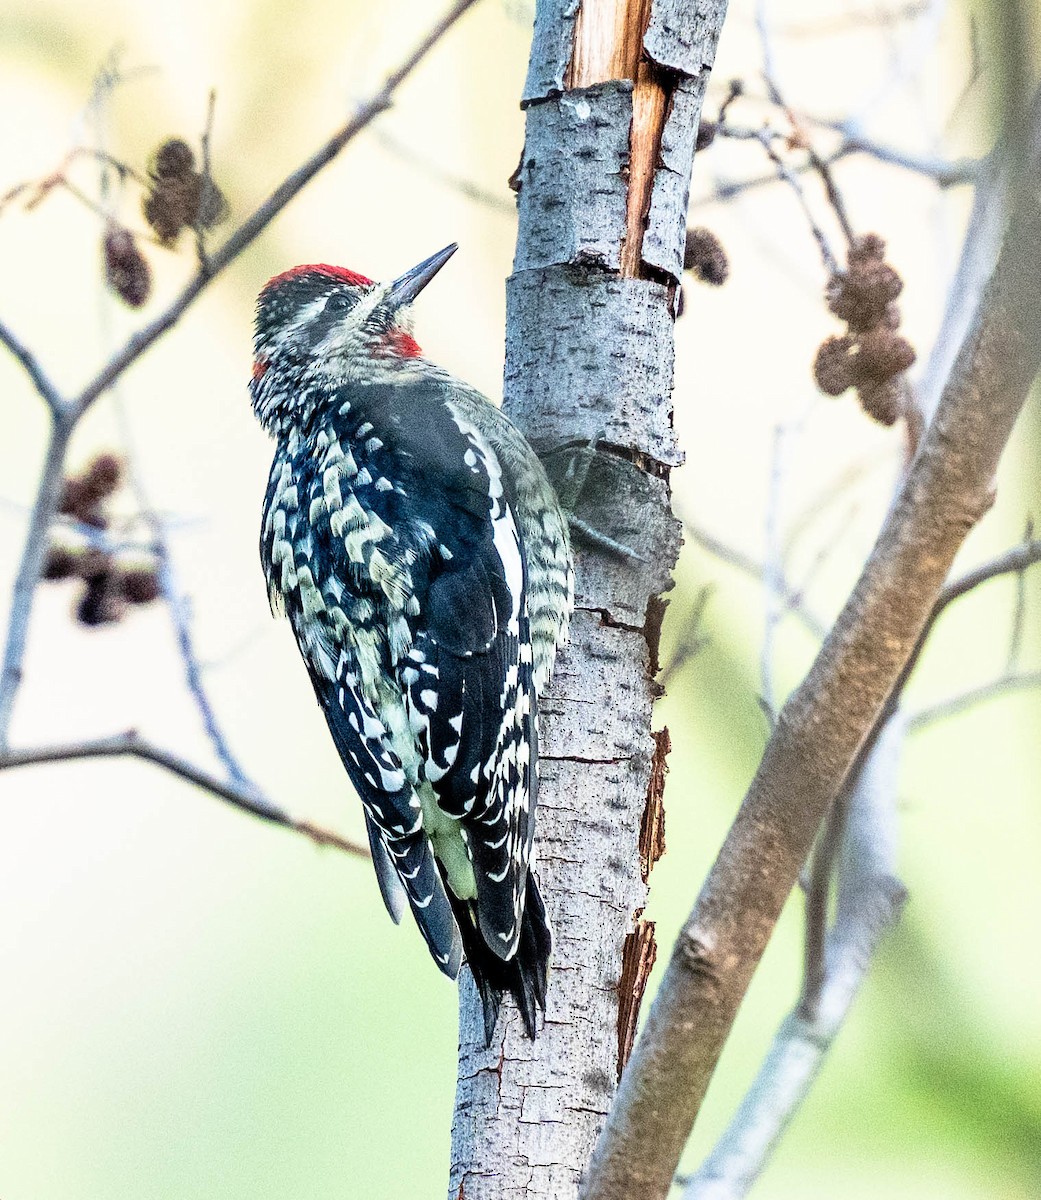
[320, 326]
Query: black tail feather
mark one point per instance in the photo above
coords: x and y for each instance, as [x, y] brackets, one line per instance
[523, 976]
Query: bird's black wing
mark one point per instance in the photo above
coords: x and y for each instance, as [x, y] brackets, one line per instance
[468, 675]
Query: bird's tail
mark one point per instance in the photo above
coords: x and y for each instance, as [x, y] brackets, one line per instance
[523, 976]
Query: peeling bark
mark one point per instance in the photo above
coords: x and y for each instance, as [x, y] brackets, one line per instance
[652, 827]
[589, 360]
[638, 959]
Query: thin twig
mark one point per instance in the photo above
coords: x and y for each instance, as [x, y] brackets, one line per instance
[818, 893]
[773, 575]
[837, 488]
[821, 165]
[1019, 613]
[827, 547]
[130, 744]
[47, 390]
[693, 641]
[794, 600]
[1012, 562]
[177, 604]
[465, 187]
[207, 183]
[48, 495]
[766, 138]
[1018, 559]
[762, 25]
[945, 173]
[908, 59]
[831, 190]
[953, 706]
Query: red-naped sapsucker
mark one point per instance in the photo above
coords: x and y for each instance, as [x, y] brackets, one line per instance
[412, 538]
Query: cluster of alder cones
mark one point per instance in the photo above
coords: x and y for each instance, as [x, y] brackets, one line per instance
[111, 582]
[178, 197]
[871, 356]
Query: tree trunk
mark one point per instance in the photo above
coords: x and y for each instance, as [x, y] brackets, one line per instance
[613, 99]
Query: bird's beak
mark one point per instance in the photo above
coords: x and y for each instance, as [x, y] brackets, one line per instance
[407, 287]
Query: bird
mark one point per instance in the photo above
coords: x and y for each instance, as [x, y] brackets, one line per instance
[412, 538]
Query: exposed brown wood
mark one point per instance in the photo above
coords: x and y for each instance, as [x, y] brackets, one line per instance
[608, 44]
[650, 105]
[638, 957]
[608, 41]
[652, 827]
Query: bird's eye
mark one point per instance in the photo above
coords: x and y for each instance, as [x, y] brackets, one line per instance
[339, 303]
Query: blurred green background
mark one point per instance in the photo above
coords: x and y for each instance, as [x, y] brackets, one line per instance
[192, 1004]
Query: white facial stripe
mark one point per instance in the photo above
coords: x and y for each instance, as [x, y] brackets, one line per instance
[301, 320]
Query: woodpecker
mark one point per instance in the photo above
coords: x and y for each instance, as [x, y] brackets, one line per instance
[420, 553]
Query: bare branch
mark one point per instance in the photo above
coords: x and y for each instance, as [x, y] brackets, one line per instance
[766, 137]
[818, 893]
[50, 394]
[794, 601]
[944, 172]
[177, 604]
[693, 641]
[823, 725]
[501, 204]
[870, 899]
[953, 706]
[1012, 562]
[130, 744]
[831, 190]
[48, 496]
[207, 183]
[773, 572]
[1019, 613]
[998, 180]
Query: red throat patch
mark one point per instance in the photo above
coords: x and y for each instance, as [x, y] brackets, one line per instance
[260, 366]
[403, 344]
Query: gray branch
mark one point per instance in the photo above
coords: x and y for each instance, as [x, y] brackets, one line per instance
[48, 496]
[953, 706]
[792, 598]
[1012, 562]
[869, 902]
[130, 744]
[178, 605]
[50, 394]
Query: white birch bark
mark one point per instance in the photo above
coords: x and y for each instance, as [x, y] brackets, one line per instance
[589, 356]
